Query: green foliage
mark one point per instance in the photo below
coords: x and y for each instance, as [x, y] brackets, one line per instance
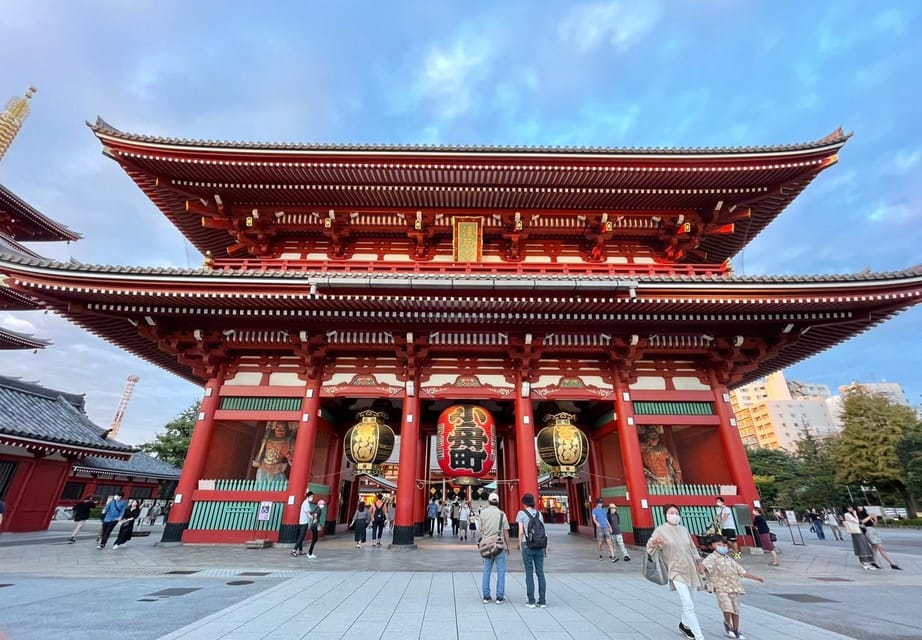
[172, 445]
[777, 474]
[879, 446]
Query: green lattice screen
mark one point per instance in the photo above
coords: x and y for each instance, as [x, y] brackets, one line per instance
[666, 408]
[251, 403]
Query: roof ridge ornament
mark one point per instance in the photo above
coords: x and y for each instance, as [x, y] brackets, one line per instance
[12, 119]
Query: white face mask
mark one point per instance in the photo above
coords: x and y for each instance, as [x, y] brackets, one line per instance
[673, 518]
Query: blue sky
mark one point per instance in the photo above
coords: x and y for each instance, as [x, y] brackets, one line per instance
[620, 73]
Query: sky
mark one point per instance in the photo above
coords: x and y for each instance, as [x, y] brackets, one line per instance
[607, 73]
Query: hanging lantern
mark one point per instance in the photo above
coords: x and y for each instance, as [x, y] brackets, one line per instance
[562, 445]
[369, 443]
[466, 443]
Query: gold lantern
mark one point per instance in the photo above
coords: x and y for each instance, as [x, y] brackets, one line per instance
[369, 443]
[562, 445]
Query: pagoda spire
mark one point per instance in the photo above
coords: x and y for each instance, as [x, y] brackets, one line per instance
[16, 112]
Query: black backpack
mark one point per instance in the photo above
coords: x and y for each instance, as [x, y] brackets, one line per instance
[380, 515]
[535, 537]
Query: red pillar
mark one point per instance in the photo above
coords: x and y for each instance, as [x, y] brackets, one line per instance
[406, 473]
[636, 481]
[421, 500]
[595, 471]
[302, 458]
[511, 496]
[732, 444]
[334, 470]
[199, 445]
[526, 460]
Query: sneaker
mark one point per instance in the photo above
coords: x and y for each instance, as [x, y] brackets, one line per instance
[688, 632]
[600, 556]
[71, 540]
[311, 556]
[487, 599]
[737, 555]
[115, 546]
[729, 631]
[627, 558]
[530, 605]
[615, 558]
[738, 635]
[875, 565]
[100, 546]
[542, 605]
[500, 600]
[896, 567]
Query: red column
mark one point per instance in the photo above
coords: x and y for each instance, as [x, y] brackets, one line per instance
[299, 477]
[732, 444]
[422, 493]
[636, 481]
[406, 473]
[526, 460]
[199, 445]
[335, 474]
[595, 483]
[511, 497]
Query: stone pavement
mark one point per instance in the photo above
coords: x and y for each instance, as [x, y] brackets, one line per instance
[433, 592]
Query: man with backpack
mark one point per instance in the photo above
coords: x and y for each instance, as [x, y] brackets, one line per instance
[378, 520]
[533, 543]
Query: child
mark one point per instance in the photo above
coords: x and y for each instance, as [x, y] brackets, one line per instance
[724, 574]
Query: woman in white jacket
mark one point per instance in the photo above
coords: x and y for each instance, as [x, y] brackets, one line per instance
[860, 544]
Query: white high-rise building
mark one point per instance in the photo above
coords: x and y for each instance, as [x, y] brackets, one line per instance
[891, 390]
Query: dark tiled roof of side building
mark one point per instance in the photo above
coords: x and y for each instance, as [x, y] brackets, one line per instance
[140, 465]
[36, 415]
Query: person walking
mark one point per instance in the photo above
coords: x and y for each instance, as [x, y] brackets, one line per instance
[305, 517]
[832, 523]
[154, 514]
[602, 529]
[494, 522]
[870, 532]
[464, 514]
[81, 515]
[113, 512]
[765, 534]
[378, 520]
[453, 513]
[432, 512]
[145, 509]
[726, 523]
[614, 521]
[674, 541]
[126, 525]
[532, 552]
[724, 573]
[360, 523]
[816, 523]
[860, 545]
[319, 520]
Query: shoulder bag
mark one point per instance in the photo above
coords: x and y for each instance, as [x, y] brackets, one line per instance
[655, 569]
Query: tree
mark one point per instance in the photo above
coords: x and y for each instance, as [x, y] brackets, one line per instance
[777, 474]
[172, 445]
[819, 488]
[869, 449]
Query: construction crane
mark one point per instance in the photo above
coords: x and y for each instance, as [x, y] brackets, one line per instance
[122, 405]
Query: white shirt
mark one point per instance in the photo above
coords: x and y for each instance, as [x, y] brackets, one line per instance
[307, 508]
[465, 513]
[730, 522]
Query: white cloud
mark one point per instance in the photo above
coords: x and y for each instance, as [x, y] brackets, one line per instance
[16, 323]
[885, 212]
[449, 76]
[905, 161]
[617, 24]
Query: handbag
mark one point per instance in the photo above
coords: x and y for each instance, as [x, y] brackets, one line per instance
[655, 569]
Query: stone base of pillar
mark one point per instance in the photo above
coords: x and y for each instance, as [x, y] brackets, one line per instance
[513, 529]
[288, 533]
[574, 526]
[419, 529]
[172, 532]
[403, 537]
[642, 535]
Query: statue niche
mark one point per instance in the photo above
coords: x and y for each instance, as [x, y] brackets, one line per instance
[274, 457]
[660, 466]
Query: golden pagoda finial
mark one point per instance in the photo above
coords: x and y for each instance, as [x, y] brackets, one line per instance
[16, 112]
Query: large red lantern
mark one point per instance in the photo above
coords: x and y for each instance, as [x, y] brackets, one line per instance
[466, 442]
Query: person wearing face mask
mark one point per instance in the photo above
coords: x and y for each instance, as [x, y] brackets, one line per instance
[674, 542]
[305, 517]
[724, 573]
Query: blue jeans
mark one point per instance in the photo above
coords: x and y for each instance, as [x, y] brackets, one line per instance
[500, 562]
[534, 561]
[818, 527]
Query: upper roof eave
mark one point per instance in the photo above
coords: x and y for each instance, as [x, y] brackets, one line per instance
[104, 130]
[48, 230]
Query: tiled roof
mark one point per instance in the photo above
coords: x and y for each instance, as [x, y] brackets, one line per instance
[52, 420]
[140, 464]
[104, 128]
[34, 226]
[10, 339]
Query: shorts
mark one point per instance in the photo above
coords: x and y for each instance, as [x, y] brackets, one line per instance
[728, 602]
[872, 535]
[766, 540]
[603, 534]
[729, 534]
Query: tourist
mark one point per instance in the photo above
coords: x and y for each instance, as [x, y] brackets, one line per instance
[493, 522]
[681, 556]
[602, 529]
[81, 515]
[727, 525]
[832, 523]
[870, 532]
[113, 512]
[391, 515]
[860, 544]
[318, 520]
[453, 514]
[2, 511]
[154, 514]
[724, 574]
[166, 512]
[532, 556]
[432, 512]
[360, 523]
[464, 515]
[614, 521]
[378, 520]
[126, 527]
[305, 517]
[145, 509]
[765, 534]
[816, 524]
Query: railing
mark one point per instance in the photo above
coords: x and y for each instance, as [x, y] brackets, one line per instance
[506, 268]
[225, 484]
[234, 515]
[689, 489]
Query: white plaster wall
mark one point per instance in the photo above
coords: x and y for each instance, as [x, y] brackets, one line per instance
[244, 378]
[689, 384]
[649, 383]
[285, 379]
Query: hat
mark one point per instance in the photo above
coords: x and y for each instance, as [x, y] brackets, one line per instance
[494, 497]
[322, 503]
[599, 501]
[612, 505]
[528, 500]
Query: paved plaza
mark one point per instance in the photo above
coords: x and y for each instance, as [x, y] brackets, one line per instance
[52, 589]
